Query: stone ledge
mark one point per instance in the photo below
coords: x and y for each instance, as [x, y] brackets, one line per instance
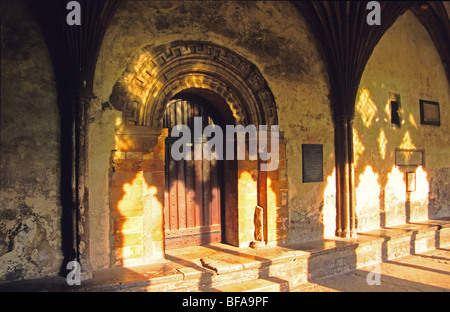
[277, 268]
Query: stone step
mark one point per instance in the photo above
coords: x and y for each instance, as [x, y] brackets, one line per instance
[225, 268]
[269, 284]
[221, 267]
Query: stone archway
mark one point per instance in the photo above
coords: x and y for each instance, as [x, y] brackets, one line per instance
[158, 73]
[241, 95]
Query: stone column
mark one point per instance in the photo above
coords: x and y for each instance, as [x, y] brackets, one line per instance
[277, 208]
[81, 144]
[143, 149]
[345, 213]
[153, 201]
[270, 189]
[247, 200]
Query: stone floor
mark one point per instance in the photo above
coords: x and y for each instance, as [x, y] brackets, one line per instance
[295, 268]
[424, 272]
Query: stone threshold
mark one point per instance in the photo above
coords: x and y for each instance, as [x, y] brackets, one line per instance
[221, 267]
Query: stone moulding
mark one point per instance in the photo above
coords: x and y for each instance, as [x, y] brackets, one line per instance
[156, 74]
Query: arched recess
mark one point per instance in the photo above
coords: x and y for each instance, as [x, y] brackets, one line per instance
[239, 92]
[156, 74]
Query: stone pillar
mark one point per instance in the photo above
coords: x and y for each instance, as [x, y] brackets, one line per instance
[271, 188]
[153, 201]
[231, 194]
[247, 200]
[262, 202]
[345, 213]
[260, 208]
[81, 181]
[277, 206]
[241, 197]
[137, 195]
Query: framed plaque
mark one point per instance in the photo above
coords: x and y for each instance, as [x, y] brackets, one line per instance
[429, 113]
[312, 161]
[409, 158]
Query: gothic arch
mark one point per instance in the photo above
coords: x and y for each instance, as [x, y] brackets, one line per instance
[156, 74]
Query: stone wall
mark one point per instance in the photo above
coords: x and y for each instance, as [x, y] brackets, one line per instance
[404, 66]
[30, 209]
[271, 35]
[274, 36]
[137, 198]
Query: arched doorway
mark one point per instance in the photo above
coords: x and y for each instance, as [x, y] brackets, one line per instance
[232, 92]
[193, 208]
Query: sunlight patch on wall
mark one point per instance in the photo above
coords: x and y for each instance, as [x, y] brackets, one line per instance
[382, 143]
[366, 107]
[153, 206]
[419, 198]
[407, 142]
[387, 110]
[368, 200]
[358, 147]
[132, 197]
[396, 186]
[329, 206]
[412, 121]
[422, 186]
[271, 212]
[395, 198]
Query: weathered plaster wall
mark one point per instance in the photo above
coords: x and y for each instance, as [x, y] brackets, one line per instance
[102, 122]
[272, 35]
[404, 63]
[30, 210]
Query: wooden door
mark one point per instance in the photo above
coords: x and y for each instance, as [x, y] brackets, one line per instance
[192, 214]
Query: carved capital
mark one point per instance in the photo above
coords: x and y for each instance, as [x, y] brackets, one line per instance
[137, 138]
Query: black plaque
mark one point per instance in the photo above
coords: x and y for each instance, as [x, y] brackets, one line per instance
[312, 155]
[429, 113]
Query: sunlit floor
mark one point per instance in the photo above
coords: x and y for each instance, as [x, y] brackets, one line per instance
[225, 268]
[428, 271]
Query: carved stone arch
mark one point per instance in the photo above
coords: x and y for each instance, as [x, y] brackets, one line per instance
[239, 94]
[152, 114]
[158, 73]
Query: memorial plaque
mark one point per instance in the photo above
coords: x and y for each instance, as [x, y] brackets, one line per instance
[409, 158]
[429, 113]
[312, 155]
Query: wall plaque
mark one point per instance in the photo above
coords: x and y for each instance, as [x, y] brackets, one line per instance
[312, 161]
[409, 158]
[429, 113]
